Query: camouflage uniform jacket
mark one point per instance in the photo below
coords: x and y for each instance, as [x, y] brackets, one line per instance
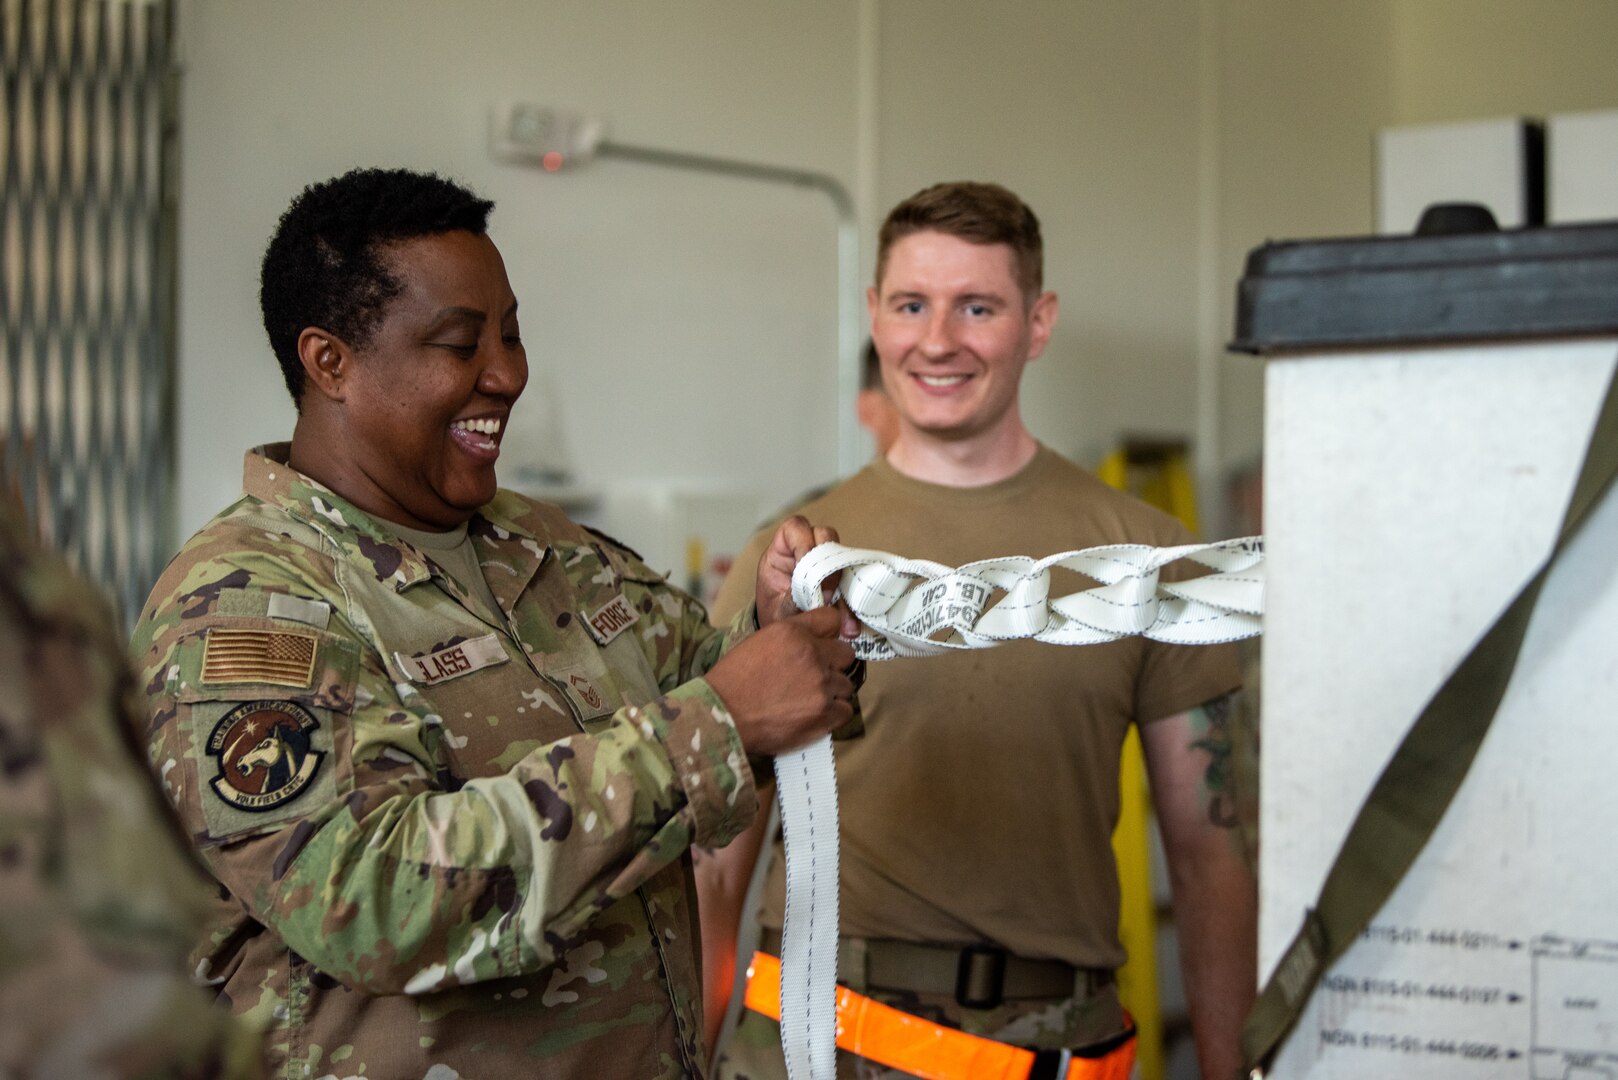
[452, 842]
[99, 898]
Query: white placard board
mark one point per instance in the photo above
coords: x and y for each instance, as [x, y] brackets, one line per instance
[1480, 161]
[1408, 495]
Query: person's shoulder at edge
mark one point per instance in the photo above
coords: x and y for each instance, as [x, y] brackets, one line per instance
[101, 898]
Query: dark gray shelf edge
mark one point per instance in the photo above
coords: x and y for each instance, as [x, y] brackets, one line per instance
[1315, 296]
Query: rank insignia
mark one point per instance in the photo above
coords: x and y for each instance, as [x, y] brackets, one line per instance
[586, 690]
[264, 753]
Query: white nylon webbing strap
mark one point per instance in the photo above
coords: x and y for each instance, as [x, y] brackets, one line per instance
[806, 783]
[911, 607]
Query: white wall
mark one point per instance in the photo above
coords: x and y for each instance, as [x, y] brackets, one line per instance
[1470, 59]
[1302, 86]
[1088, 111]
[685, 324]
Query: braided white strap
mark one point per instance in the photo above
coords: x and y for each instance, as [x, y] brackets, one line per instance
[911, 607]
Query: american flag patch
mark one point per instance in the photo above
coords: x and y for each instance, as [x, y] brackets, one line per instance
[280, 657]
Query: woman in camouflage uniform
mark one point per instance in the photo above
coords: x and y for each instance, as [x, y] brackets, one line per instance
[444, 749]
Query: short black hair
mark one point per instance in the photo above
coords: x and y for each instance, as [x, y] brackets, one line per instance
[324, 265]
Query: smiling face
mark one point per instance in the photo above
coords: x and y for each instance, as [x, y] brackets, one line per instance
[408, 427]
[954, 331]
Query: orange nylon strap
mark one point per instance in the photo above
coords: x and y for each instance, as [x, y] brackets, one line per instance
[931, 1051]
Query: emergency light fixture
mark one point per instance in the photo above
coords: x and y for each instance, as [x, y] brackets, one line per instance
[526, 134]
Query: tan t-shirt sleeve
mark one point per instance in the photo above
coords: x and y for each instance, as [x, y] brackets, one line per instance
[1174, 678]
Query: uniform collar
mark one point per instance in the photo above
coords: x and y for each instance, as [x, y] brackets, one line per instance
[495, 527]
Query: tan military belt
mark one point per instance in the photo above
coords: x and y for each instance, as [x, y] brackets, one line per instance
[979, 976]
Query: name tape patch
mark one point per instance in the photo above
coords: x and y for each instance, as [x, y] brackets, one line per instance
[276, 657]
[453, 661]
[611, 619]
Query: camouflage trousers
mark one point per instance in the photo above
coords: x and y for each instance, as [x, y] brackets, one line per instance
[1086, 1018]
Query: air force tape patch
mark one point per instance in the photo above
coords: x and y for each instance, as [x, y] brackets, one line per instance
[265, 753]
[611, 619]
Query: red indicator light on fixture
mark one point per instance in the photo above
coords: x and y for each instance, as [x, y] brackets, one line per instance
[552, 160]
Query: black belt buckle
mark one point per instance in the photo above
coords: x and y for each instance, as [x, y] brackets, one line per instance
[980, 977]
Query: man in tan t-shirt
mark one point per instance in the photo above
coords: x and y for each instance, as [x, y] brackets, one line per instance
[979, 890]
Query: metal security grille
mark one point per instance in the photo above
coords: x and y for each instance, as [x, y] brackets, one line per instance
[86, 280]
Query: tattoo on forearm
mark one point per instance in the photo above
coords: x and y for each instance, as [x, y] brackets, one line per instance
[1219, 778]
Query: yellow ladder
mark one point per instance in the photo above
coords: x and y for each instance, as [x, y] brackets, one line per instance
[1156, 471]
